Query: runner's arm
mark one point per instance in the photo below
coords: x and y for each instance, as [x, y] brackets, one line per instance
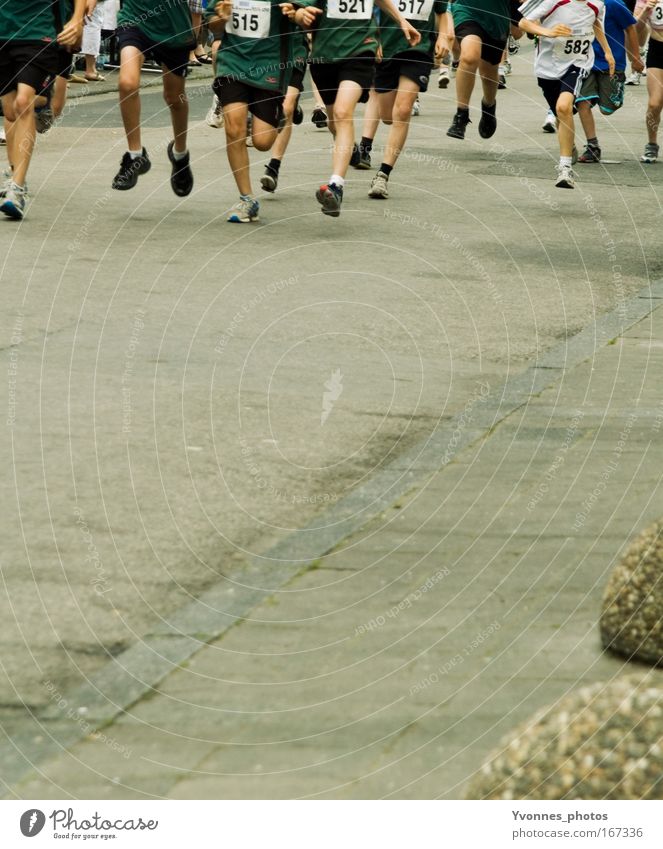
[411, 34]
[534, 28]
[633, 49]
[445, 36]
[72, 31]
[218, 19]
[644, 16]
[599, 35]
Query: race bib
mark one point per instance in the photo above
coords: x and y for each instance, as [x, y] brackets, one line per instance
[250, 19]
[656, 18]
[415, 10]
[354, 10]
[575, 47]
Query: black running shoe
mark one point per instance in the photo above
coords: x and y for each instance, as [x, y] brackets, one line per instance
[319, 117]
[181, 178]
[330, 197]
[488, 122]
[355, 157]
[269, 180]
[591, 153]
[298, 114]
[459, 125]
[130, 170]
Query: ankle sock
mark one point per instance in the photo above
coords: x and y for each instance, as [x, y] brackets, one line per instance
[366, 145]
[593, 142]
[386, 169]
[177, 155]
[566, 160]
[273, 165]
[337, 180]
[134, 154]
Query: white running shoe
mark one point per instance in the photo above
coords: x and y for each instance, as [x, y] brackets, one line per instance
[3, 136]
[379, 186]
[214, 117]
[443, 77]
[634, 79]
[550, 124]
[650, 156]
[14, 201]
[416, 108]
[245, 211]
[565, 177]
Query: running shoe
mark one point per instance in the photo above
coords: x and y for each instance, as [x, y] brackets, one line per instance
[379, 186]
[443, 77]
[14, 201]
[245, 211]
[44, 119]
[360, 159]
[591, 153]
[298, 114]
[330, 197]
[416, 108]
[454, 66]
[634, 79]
[565, 177]
[269, 180]
[3, 136]
[181, 177]
[501, 79]
[550, 124]
[319, 117]
[459, 125]
[512, 46]
[214, 117]
[130, 171]
[488, 122]
[651, 153]
[507, 67]
[6, 181]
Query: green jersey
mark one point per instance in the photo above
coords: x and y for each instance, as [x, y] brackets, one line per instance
[167, 22]
[27, 20]
[259, 44]
[422, 15]
[494, 16]
[346, 28]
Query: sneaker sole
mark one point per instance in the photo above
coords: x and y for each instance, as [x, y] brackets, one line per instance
[487, 134]
[443, 83]
[547, 128]
[377, 196]
[564, 185]
[648, 161]
[363, 166]
[233, 219]
[455, 135]
[328, 202]
[12, 211]
[268, 183]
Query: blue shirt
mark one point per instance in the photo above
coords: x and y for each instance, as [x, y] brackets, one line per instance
[617, 20]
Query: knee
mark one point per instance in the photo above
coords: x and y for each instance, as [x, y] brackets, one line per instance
[175, 101]
[342, 115]
[402, 112]
[127, 87]
[564, 110]
[469, 61]
[22, 105]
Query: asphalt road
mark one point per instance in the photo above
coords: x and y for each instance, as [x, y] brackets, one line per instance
[182, 393]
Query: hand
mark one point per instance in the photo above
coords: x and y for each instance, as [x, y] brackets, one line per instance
[637, 65]
[288, 10]
[72, 33]
[223, 9]
[379, 55]
[304, 16]
[412, 35]
[559, 31]
[610, 59]
[441, 48]
[90, 7]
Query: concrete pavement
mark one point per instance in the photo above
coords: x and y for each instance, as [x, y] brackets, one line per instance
[170, 418]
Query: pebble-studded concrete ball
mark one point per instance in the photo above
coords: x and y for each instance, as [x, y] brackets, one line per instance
[600, 742]
[632, 614]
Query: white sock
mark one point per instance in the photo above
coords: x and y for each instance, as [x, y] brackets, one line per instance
[134, 154]
[177, 155]
[566, 160]
[337, 180]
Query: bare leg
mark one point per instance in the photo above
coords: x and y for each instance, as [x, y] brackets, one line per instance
[175, 96]
[489, 78]
[655, 103]
[19, 108]
[131, 62]
[586, 119]
[283, 138]
[401, 113]
[341, 125]
[566, 131]
[470, 56]
[235, 115]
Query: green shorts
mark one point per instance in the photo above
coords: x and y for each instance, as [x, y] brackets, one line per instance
[599, 87]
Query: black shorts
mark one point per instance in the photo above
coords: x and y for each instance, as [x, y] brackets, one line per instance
[411, 64]
[571, 82]
[491, 48]
[65, 62]
[297, 78]
[265, 105]
[176, 59]
[329, 75]
[32, 63]
[654, 54]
